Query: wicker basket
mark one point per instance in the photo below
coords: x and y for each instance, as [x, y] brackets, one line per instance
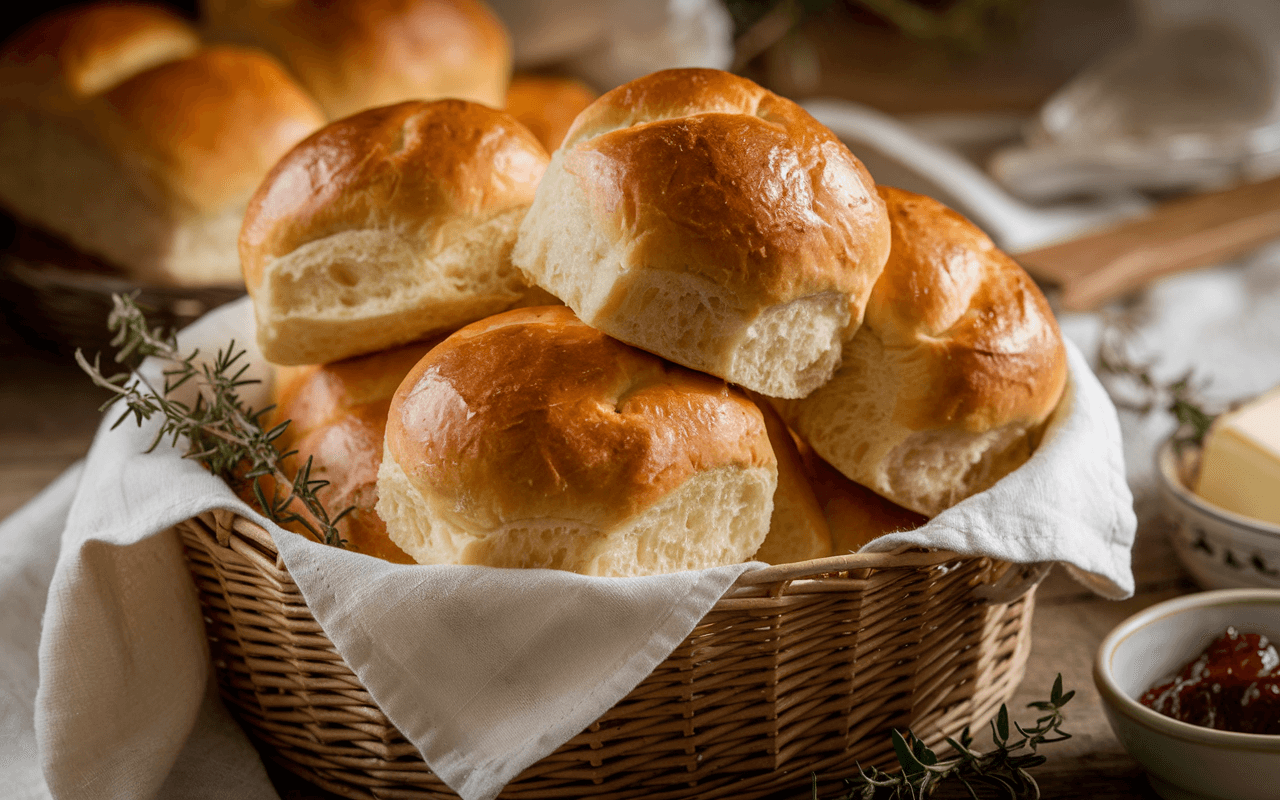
[62, 309]
[800, 668]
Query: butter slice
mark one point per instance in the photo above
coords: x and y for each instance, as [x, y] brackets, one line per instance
[1240, 466]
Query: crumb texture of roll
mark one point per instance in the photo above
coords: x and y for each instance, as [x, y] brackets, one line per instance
[530, 439]
[547, 105]
[121, 138]
[388, 226]
[337, 417]
[358, 54]
[798, 529]
[701, 217]
[946, 386]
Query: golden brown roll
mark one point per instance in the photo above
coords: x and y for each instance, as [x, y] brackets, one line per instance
[529, 439]
[698, 216]
[946, 386]
[120, 137]
[854, 514]
[77, 53]
[358, 54]
[547, 106]
[387, 226]
[338, 414]
[798, 529]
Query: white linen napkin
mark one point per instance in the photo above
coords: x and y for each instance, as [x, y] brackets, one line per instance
[484, 670]
[1069, 503]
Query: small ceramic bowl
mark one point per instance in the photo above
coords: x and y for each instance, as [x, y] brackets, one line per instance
[1220, 549]
[1184, 761]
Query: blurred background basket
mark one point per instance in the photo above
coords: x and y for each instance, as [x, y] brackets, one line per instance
[58, 300]
[800, 668]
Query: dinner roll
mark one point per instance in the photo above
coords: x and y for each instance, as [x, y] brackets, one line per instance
[529, 439]
[798, 529]
[387, 226]
[547, 106]
[337, 415]
[73, 54]
[700, 217]
[358, 54]
[122, 139]
[944, 389]
[854, 514]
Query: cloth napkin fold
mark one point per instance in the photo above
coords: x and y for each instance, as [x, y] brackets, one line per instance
[485, 671]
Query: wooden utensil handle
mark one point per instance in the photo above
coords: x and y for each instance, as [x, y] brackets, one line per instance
[1183, 234]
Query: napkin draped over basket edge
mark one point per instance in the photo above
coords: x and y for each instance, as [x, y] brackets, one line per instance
[507, 664]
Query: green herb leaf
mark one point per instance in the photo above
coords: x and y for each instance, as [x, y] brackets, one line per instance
[1004, 770]
[220, 430]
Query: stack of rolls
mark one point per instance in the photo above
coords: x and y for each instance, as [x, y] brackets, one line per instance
[755, 352]
[126, 138]
[131, 140]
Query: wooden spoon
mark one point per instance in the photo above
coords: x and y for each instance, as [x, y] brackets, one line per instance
[1187, 233]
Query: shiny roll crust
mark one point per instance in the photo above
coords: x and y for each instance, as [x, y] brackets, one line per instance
[337, 416]
[700, 217]
[532, 440]
[944, 389]
[388, 226]
[358, 54]
[121, 137]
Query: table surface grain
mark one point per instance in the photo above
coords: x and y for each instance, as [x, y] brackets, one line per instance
[48, 414]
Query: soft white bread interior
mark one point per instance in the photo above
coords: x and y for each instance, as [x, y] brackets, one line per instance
[337, 415]
[798, 529]
[140, 160]
[701, 217]
[387, 226]
[529, 439]
[358, 54]
[946, 386]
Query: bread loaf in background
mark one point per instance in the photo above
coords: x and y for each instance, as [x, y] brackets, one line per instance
[357, 54]
[121, 136]
[532, 440]
[547, 105]
[387, 226]
[338, 414]
[947, 384]
[700, 217]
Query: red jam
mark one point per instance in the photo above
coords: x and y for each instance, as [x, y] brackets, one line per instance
[1232, 686]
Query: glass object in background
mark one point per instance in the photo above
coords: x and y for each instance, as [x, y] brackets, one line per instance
[1192, 103]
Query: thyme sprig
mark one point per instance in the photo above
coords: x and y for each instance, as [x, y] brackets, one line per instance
[1003, 770]
[221, 431]
[1132, 384]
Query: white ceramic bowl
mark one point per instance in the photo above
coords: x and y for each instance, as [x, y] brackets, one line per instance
[1184, 761]
[1220, 549]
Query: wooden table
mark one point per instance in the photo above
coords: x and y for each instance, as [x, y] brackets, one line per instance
[48, 414]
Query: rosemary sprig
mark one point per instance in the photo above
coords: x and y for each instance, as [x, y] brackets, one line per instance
[921, 771]
[222, 433]
[1132, 384]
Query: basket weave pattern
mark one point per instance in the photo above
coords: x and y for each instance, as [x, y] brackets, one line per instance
[798, 669]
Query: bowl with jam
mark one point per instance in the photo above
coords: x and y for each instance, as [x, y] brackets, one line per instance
[1191, 687]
